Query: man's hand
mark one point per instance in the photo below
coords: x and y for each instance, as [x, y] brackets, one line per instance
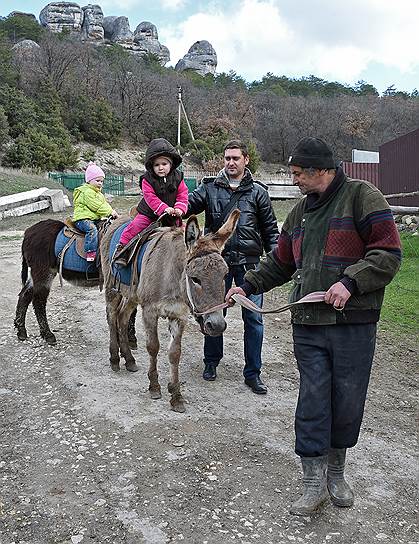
[232, 291]
[337, 295]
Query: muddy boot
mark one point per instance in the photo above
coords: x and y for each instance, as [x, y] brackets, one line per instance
[118, 256]
[315, 489]
[339, 490]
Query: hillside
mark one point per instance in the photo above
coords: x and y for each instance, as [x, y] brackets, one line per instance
[64, 95]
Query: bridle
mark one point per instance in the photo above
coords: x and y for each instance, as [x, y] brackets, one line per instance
[211, 310]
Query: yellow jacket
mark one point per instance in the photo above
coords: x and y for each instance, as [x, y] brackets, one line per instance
[90, 203]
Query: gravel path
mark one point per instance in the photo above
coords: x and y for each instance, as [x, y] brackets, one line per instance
[87, 457]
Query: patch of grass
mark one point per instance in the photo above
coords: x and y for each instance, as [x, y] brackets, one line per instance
[283, 207]
[18, 181]
[400, 309]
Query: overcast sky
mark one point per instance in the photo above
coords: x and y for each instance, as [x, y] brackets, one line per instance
[373, 40]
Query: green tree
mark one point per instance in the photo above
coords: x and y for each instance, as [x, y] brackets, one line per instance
[95, 122]
[8, 71]
[4, 128]
[21, 27]
[20, 110]
[254, 157]
[34, 149]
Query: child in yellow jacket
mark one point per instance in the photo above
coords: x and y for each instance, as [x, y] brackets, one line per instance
[90, 205]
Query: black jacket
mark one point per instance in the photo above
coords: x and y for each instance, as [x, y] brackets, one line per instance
[257, 229]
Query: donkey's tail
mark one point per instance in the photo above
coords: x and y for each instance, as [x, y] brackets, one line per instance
[24, 271]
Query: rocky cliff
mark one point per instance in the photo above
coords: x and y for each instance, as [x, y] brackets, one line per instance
[89, 24]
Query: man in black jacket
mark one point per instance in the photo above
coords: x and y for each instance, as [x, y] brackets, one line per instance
[256, 231]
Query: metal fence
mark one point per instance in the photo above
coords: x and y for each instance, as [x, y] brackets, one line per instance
[113, 184]
[399, 168]
[368, 171]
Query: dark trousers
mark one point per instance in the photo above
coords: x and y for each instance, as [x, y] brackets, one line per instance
[334, 362]
[253, 331]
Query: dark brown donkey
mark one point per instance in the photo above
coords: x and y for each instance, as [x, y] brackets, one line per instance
[38, 255]
[181, 272]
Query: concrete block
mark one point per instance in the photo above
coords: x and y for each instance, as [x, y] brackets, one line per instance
[25, 209]
[33, 201]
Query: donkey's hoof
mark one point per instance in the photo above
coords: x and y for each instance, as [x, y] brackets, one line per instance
[178, 406]
[131, 367]
[115, 367]
[50, 339]
[22, 335]
[155, 394]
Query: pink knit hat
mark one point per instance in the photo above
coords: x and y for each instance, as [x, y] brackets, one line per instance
[93, 171]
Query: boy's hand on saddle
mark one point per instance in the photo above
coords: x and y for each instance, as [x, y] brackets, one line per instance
[170, 211]
[178, 212]
[232, 291]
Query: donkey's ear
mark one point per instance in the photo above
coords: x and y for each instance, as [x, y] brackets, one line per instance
[192, 232]
[226, 230]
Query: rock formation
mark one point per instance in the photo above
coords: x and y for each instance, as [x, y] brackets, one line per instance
[92, 27]
[146, 41]
[201, 58]
[59, 16]
[88, 24]
[117, 31]
[25, 48]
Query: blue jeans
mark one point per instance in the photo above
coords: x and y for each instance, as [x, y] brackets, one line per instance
[89, 228]
[253, 331]
[334, 362]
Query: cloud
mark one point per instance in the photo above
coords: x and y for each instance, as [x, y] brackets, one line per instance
[334, 40]
[172, 4]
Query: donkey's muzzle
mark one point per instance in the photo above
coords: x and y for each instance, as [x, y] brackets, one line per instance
[214, 324]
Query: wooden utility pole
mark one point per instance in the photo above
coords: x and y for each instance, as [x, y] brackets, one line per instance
[181, 109]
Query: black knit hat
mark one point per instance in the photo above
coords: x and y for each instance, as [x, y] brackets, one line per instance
[312, 153]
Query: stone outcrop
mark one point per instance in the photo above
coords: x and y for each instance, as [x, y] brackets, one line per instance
[59, 16]
[92, 26]
[89, 24]
[117, 30]
[26, 48]
[146, 41]
[201, 58]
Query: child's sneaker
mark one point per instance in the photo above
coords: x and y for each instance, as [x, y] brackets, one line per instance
[90, 256]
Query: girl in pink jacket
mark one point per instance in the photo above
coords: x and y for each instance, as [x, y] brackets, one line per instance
[164, 191]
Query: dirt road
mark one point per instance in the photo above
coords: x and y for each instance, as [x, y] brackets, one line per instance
[87, 457]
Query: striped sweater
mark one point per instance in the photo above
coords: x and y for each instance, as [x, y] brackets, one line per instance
[347, 235]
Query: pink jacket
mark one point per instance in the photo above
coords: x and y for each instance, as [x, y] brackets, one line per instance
[157, 205]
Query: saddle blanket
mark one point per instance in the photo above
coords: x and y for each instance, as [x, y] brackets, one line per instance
[123, 273]
[72, 259]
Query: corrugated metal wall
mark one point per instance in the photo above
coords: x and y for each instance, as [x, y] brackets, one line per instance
[399, 168]
[362, 170]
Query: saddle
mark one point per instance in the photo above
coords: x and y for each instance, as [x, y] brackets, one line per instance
[131, 249]
[76, 237]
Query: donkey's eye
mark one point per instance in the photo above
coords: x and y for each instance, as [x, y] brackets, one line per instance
[196, 281]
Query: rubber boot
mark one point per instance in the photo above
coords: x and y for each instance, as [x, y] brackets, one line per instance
[118, 257]
[339, 490]
[315, 488]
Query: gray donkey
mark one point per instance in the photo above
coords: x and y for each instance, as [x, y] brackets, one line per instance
[181, 272]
